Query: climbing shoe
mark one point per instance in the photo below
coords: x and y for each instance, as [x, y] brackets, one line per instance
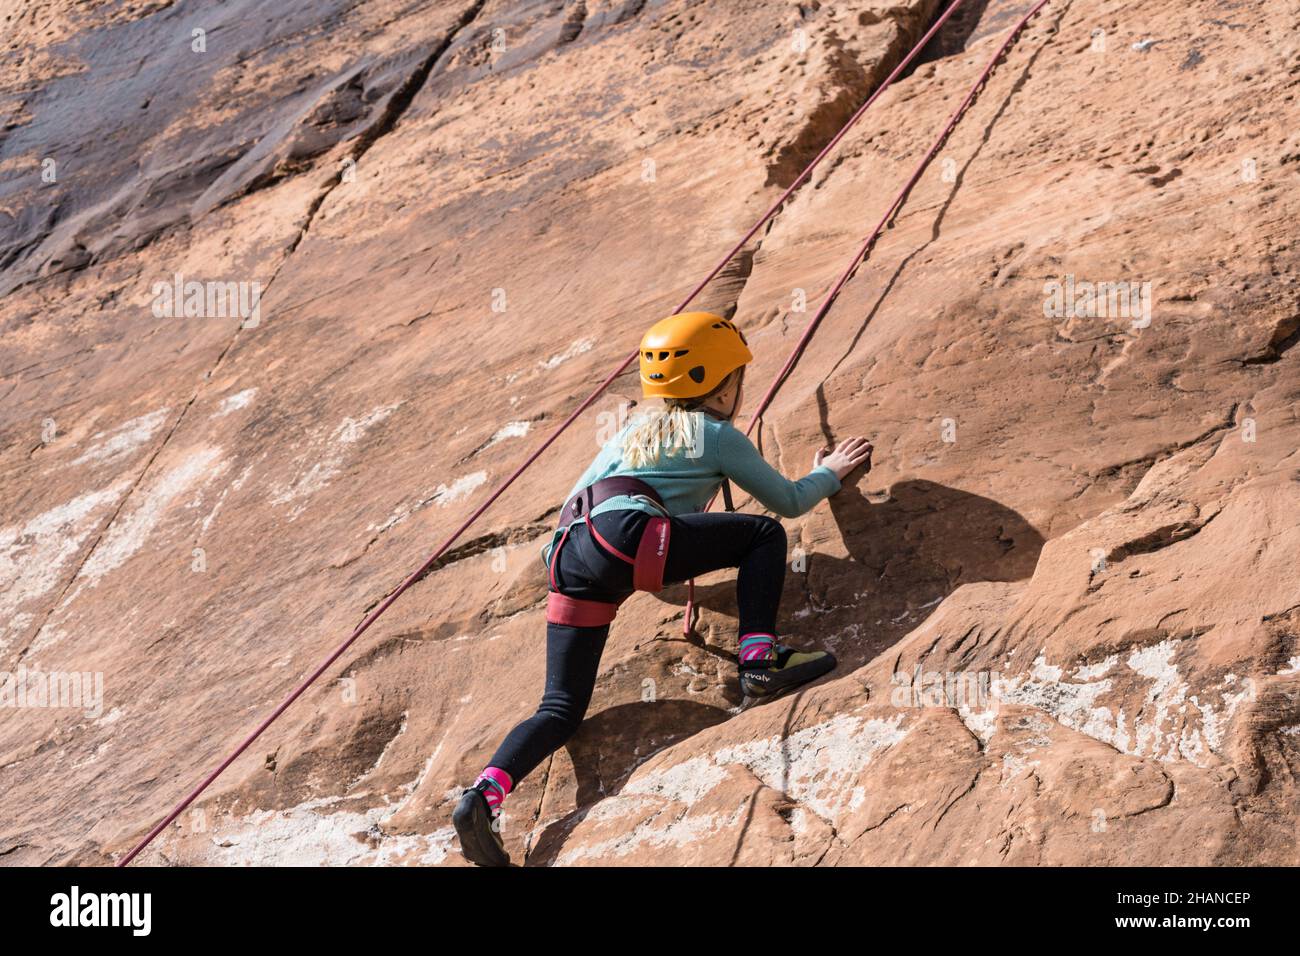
[480, 842]
[762, 680]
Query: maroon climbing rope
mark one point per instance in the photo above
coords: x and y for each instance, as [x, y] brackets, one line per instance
[864, 250]
[583, 406]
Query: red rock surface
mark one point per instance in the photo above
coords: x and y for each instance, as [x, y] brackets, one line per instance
[1087, 528]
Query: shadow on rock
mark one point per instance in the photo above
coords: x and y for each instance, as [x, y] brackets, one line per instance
[610, 745]
[905, 555]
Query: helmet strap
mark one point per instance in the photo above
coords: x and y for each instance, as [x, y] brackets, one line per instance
[698, 404]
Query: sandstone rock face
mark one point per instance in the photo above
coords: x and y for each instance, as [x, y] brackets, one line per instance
[1064, 599]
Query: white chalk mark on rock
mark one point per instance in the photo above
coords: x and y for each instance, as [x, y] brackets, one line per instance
[128, 534]
[33, 554]
[330, 462]
[233, 403]
[127, 437]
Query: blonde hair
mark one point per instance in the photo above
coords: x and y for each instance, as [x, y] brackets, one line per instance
[669, 429]
[672, 428]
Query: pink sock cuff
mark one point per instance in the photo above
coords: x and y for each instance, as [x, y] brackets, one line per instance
[499, 777]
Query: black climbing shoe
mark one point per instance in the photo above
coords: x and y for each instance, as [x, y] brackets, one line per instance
[763, 680]
[480, 843]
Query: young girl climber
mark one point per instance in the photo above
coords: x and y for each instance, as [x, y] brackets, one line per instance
[634, 522]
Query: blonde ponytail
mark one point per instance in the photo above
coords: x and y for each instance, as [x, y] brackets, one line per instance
[670, 429]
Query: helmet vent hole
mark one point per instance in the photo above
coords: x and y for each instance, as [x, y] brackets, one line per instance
[697, 374]
[662, 356]
[680, 352]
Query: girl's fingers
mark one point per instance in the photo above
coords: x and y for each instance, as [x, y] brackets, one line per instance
[853, 451]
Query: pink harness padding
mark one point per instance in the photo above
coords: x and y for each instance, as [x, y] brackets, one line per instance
[647, 575]
[575, 612]
[651, 553]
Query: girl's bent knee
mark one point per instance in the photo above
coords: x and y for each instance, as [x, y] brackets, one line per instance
[563, 721]
[770, 528]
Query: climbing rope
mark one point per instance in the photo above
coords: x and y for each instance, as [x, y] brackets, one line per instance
[586, 403]
[863, 250]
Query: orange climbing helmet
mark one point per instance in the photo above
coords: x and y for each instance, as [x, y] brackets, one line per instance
[688, 355]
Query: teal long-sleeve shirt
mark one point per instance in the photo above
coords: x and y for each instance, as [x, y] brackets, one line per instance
[686, 480]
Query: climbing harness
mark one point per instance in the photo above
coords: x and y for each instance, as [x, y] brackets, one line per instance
[647, 564]
[571, 606]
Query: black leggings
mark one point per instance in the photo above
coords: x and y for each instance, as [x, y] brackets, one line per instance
[699, 543]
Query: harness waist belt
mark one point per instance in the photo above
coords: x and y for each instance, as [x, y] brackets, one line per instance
[586, 499]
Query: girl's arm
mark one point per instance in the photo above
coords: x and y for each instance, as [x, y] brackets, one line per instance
[741, 462]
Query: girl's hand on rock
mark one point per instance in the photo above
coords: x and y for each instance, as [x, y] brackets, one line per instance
[847, 455]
